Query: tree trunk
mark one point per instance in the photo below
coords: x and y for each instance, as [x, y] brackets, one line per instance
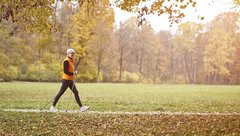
[99, 60]
[184, 69]
[157, 70]
[121, 64]
[99, 66]
[141, 65]
[172, 68]
[195, 74]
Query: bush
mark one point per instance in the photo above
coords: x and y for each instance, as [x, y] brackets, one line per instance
[33, 73]
[87, 76]
[9, 73]
[45, 72]
[114, 76]
[50, 72]
[128, 77]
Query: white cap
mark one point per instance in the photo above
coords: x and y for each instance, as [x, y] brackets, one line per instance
[70, 51]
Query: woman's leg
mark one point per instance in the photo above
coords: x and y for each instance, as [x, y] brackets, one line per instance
[75, 92]
[65, 84]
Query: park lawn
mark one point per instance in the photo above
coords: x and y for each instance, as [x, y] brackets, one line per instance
[124, 97]
[121, 97]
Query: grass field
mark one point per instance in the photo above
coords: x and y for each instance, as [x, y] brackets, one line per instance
[121, 97]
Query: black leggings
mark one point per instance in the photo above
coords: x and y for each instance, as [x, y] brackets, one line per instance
[65, 85]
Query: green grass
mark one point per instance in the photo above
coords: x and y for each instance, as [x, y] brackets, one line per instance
[124, 97]
[121, 97]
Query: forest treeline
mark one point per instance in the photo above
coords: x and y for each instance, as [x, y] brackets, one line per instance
[194, 54]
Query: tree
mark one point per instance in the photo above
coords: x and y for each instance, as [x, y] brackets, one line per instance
[90, 35]
[14, 52]
[218, 53]
[64, 18]
[237, 2]
[36, 15]
[132, 55]
[188, 33]
[220, 49]
[81, 30]
[101, 40]
[123, 40]
[174, 9]
[8, 69]
[30, 15]
[167, 56]
[146, 44]
[235, 66]
[40, 15]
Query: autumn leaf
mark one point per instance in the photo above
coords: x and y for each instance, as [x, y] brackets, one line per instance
[183, 6]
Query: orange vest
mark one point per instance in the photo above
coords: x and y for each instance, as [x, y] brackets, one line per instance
[70, 69]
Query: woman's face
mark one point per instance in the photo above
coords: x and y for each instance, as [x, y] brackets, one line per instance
[71, 55]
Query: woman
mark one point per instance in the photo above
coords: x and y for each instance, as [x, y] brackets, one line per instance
[67, 81]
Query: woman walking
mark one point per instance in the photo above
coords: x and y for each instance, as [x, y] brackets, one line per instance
[67, 81]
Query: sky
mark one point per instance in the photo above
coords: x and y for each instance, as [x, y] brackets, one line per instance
[207, 8]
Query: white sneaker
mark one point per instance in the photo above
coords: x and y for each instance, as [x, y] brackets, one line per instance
[84, 108]
[52, 108]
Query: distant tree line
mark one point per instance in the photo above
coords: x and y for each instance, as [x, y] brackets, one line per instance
[195, 54]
